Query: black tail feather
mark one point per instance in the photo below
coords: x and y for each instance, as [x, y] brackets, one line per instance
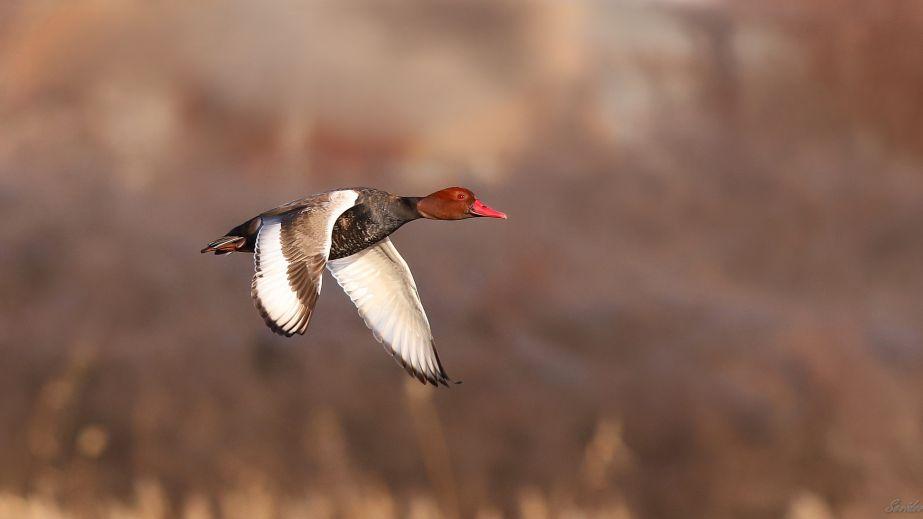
[225, 245]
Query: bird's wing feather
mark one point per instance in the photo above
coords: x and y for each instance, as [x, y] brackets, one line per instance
[291, 251]
[379, 283]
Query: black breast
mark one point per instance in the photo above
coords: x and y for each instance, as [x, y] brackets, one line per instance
[376, 215]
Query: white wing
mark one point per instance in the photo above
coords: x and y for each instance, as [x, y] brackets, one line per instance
[291, 251]
[379, 283]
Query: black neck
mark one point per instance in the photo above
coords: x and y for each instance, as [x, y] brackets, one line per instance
[377, 216]
[406, 208]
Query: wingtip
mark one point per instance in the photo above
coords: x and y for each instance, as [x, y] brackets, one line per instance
[446, 381]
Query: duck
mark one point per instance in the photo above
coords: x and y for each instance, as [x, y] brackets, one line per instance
[347, 232]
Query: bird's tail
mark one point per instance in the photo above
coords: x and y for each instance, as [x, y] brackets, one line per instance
[225, 245]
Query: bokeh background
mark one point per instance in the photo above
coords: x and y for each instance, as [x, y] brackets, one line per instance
[706, 301]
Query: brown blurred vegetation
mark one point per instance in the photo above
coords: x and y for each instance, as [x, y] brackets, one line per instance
[706, 302]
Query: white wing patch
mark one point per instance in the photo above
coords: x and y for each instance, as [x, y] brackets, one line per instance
[379, 283]
[290, 253]
[270, 285]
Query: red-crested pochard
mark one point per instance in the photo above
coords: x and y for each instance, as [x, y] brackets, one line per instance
[347, 231]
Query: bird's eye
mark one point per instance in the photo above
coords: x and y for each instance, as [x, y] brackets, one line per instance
[461, 196]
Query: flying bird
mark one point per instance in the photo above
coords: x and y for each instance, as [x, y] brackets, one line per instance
[346, 231]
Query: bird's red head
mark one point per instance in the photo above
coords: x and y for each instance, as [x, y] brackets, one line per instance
[455, 203]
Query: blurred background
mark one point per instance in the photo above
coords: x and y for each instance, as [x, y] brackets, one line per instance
[706, 301]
